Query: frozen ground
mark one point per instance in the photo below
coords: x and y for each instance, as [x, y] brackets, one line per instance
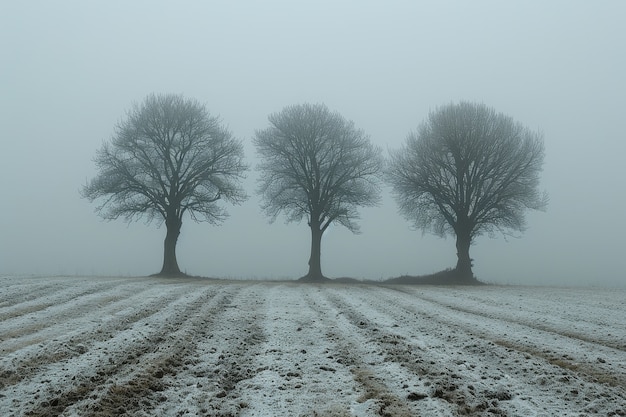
[156, 347]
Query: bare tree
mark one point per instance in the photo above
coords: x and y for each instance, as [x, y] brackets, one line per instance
[316, 165]
[468, 170]
[167, 158]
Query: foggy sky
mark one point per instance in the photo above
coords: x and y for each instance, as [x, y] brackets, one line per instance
[71, 69]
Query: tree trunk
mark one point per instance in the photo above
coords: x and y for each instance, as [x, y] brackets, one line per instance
[170, 264]
[464, 262]
[315, 265]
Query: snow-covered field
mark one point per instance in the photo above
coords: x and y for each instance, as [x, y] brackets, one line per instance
[156, 347]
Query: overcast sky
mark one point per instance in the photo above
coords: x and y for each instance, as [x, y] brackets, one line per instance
[69, 70]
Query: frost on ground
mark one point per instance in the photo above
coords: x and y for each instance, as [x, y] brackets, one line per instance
[157, 347]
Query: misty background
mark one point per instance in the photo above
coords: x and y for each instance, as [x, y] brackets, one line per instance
[71, 69]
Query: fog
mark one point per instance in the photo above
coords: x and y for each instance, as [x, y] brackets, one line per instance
[71, 69]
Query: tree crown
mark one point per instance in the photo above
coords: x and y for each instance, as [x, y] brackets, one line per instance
[468, 167]
[316, 164]
[167, 157]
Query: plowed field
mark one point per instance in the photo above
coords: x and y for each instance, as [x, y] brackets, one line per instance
[156, 347]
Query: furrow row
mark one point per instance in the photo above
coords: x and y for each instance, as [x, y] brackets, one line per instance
[64, 382]
[430, 339]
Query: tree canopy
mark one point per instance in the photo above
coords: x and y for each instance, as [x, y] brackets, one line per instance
[168, 157]
[316, 165]
[468, 170]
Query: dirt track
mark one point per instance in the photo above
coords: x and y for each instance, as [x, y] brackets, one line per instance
[154, 347]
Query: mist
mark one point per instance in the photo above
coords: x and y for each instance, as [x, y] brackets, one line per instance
[70, 70]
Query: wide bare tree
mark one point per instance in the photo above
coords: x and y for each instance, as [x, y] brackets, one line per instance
[466, 171]
[316, 165]
[168, 157]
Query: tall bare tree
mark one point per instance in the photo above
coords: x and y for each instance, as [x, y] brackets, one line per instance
[316, 165]
[468, 170]
[168, 157]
